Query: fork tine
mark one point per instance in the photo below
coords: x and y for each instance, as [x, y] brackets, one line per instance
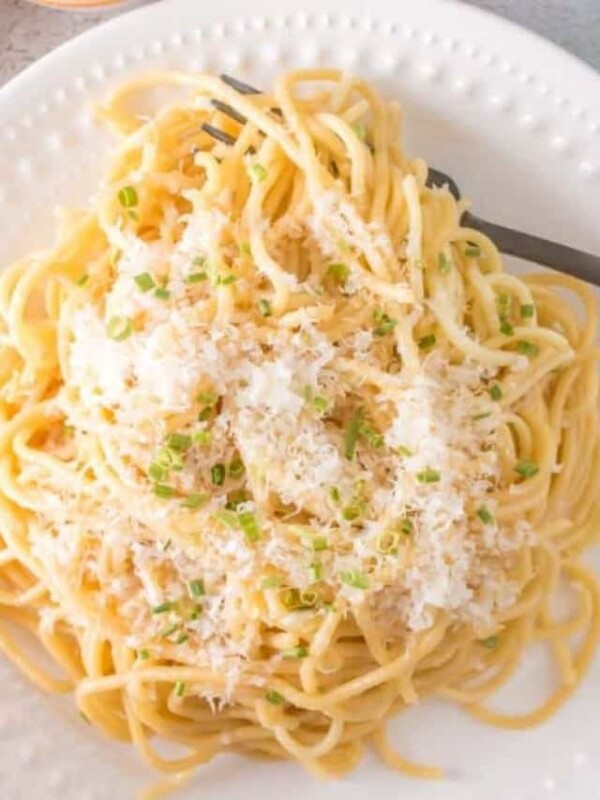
[229, 111]
[221, 136]
[239, 86]
[440, 179]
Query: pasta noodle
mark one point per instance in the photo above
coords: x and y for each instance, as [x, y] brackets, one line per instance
[283, 449]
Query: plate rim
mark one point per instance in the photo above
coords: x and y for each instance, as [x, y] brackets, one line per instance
[576, 77]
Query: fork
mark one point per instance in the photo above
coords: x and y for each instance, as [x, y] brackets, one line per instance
[563, 258]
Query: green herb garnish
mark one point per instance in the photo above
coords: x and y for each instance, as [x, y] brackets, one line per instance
[429, 476]
[527, 348]
[163, 491]
[295, 652]
[426, 342]
[275, 698]
[119, 328]
[495, 392]
[352, 433]
[527, 468]
[217, 474]
[264, 307]
[196, 587]
[144, 282]
[485, 515]
[354, 578]
[194, 500]
[128, 197]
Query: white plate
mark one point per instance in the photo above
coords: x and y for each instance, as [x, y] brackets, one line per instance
[517, 122]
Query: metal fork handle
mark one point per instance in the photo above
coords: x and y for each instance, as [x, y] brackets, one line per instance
[577, 263]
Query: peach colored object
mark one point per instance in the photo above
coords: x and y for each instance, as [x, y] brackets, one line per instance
[79, 4]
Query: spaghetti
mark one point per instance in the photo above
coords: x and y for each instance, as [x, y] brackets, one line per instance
[283, 449]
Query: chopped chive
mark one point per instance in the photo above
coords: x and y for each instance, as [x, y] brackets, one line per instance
[85, 717]
[161, 293]
[179, 688]
[169, 630]
[405, 451]
[179, 442]
[485, 515]
[158, 472]
[495, 392]
[483, 415]
[82, 280]
[527, 468]
[527, 348]
[196, 277]
[196, 613]
[444, 264]
[359, 129]
[217, 474]
[272, 582]
[250, 526]
[384, 324]
[386, 542]
[319, 543]
[144, 281]
[229, 518]
[205, 414]
[264, 307]
[275, 698]
[163, 491]
[236, 468]
[429, 476]
[245, 248]
[527, 310]
[170, 459]
[258, 172]
[355, 578]
[406, 526]
[128, 197]
[334, 493]
[196, 588]
[425, 342]
[182, 638]
[194, 500]
[320, 404]
[375, 438]
[163, 608]
[295, 652]
[315, 571]
[207, 398]
[473, 250]
[490, 643]
[503, 303]
[143, 654]
[202, 437]
[199, 261]
[351, 513]
[339, 272]
[290, 599]
[166, 545]
[228, 279]
[119, 328]
[352, 433]
[506, 328]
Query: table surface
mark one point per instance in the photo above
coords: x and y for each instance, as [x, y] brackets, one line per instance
[28, 31]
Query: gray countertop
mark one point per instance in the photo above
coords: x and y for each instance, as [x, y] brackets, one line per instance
[28, 31]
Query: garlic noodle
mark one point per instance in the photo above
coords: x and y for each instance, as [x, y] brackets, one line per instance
[283, 448]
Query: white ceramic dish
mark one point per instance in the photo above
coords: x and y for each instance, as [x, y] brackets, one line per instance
[517, 122]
